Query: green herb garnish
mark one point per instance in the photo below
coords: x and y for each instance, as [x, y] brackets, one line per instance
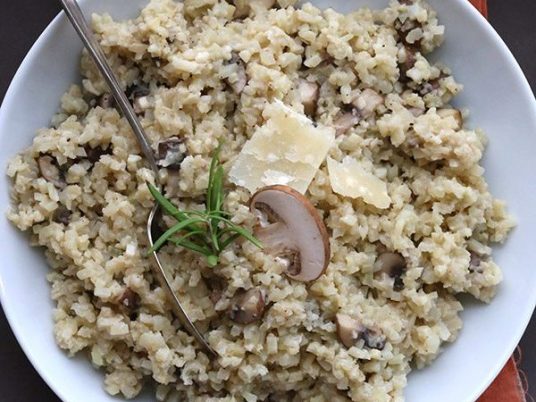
[206, 232]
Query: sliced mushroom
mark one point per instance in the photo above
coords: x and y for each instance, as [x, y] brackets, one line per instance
[49, 169]
[170, 154]
[62, 215]
[373, 339]
[394, 265]
[367, 102]
[452, 113]
[350, 331]
[309, 92]
[291, 229]
[346, 121]
[241, 81]
[248, 307]
[106, 101]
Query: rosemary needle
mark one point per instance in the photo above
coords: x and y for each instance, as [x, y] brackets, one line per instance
[207, 232]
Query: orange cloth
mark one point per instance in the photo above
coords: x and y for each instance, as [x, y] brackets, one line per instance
[482, 6]
[507, 387]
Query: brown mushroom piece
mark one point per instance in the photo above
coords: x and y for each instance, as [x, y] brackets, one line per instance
[291, 229]
[62, 215]
[170, 154]
[367, 102]
[241, 81]
[394, 265]
[248, 307]
[129, 299]
[455, 114]
[106, 101]
[346, 121]
[350, 331]
[474, 262]
[309, 92]
[130, 303]
[137, 94]
[49, 169]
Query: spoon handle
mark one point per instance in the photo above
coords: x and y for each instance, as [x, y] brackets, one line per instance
[75, 15]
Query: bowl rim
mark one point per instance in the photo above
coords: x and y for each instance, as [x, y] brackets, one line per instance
[477, 18]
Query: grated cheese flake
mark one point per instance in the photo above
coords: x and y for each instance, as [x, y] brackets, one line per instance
[288, 149]
[348, 178]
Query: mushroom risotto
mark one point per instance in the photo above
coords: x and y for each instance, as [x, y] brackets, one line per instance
[340, 154]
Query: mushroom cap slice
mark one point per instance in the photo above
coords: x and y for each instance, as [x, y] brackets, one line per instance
[291, 229]
[348, 329]
[351, 330]
[248, 307]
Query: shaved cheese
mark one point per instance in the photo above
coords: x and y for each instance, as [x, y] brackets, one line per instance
[288, 149]
[350, 179]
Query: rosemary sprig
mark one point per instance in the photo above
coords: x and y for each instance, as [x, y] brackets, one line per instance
[207, 232]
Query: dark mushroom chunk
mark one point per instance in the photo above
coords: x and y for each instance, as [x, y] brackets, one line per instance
[94, 154]
[62, 215]
[346, 121]
[430, 86]
[215, 286]
[137, 94]
[404, 28]
[49, 169]
[373, 339]
[241, 81]
[106, 101]
[309, 93]
[474, 262]
[351, 330]
[394, 265]
[170, 154]
[248, 307]
[130, 302]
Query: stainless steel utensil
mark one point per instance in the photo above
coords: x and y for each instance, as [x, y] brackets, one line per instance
[75, 15]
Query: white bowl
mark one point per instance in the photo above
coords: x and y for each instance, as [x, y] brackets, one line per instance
[501, 103]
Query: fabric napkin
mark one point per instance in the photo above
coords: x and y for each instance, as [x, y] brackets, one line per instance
[507, 387]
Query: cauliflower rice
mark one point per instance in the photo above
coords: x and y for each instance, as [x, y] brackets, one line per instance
[185, 58]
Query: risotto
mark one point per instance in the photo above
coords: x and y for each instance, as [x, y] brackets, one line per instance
[405, 241]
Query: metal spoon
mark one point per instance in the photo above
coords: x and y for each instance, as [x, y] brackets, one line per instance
[75, 15]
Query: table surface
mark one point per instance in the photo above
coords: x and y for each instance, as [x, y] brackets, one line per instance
[513, 19]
